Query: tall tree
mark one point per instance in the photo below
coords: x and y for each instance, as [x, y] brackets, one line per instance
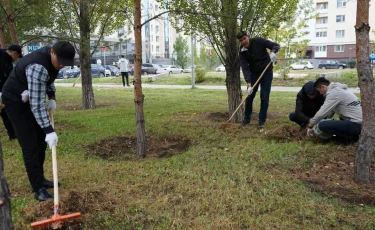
[366, 83]
[181, 48]
[78, 21]
[5, 208]
[138, 95]
[218, 21]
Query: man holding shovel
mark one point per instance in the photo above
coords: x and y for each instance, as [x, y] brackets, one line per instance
[24, 96]
[254, 58]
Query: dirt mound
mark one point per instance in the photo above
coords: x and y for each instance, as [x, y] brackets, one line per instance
[335, 176]
[286, 133]
[124, 148]
[88, 203]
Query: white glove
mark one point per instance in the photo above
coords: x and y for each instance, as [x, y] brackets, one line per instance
[310, 132]
[51, 105]
[273, 56]
[249, 90]
[51, 139]
[25, 96]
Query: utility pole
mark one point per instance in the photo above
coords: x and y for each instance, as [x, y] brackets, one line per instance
[192, 65]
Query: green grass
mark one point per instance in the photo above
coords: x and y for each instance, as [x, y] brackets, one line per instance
[234, 179]
[349, 77]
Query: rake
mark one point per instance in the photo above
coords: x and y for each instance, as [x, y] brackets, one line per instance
[56, 221]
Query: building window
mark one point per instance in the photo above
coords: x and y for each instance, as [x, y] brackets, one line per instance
[340, 33]
[157, 38]
[340, 18]
[322, 20]
[341, 3]
[339, 48]
[151, 28]
[322, 6]
[157, 29]
[321, 34]
[157, 49]
[320, 48]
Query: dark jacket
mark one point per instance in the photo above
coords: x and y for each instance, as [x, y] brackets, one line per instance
[306, 108]
[6, 67]
[17, 81]
[255, 58]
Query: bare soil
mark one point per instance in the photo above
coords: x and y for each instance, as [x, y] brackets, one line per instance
[124, 147]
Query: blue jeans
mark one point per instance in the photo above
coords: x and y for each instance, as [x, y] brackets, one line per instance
[343, 128]
[265, 84]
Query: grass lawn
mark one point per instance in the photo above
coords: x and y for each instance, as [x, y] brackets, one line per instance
[349, 76]
[198, 175]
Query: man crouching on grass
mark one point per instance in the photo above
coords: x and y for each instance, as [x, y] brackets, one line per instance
[342, 102]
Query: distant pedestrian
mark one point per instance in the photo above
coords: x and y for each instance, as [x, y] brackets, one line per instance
[123, 65]
[254, 58]
[24, 96]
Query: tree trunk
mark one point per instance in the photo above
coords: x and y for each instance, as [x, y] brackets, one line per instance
[88, 100]
[3, 41]
[366, 82]
[232, 63]
[5, 207]
[10, 20]
[138, 96]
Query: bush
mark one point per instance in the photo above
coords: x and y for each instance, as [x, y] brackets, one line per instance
[200, 75]
[352, 64]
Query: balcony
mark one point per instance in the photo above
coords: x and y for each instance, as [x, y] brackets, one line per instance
[322, 12]
[320, 1]
[321, 26]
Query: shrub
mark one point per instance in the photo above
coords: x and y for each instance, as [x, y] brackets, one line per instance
[200, 75]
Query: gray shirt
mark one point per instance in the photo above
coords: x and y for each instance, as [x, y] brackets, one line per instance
[341, 101]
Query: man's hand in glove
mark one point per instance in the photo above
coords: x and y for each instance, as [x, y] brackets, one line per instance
[51, 139]
[310, 132]
[51, 105]
[249, 90]
[273, 56]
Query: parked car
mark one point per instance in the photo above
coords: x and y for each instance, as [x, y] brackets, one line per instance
[169, 69]
[72, 73]
[61, 72]
[113, 69]
[220, 68]
[302, 65]
[107, 72]
[96, 71]
[329, 64]
[146, 69]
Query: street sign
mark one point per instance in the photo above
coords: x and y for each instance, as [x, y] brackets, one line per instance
[104, 48]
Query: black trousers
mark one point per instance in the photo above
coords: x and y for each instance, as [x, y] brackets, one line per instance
[125, 74]
[31, 138]
[8, 125]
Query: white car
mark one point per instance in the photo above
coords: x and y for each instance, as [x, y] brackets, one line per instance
[220, 68]
[107, 72]
[302, 65]
[169, 69]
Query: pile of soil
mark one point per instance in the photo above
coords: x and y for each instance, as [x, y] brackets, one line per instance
[124, 147]
[287, 133]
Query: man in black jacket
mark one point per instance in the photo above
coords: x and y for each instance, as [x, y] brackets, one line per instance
[308, 102]
[254, 58]
[24, 96]
[7, 58]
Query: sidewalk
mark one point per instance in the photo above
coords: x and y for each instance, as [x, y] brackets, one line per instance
[214, 87]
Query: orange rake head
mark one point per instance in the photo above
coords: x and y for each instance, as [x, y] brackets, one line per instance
[56, 221]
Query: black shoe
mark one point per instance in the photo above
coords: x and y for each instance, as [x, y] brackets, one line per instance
[48, 183]
[245, 122]
[261, 126]
[43, 195]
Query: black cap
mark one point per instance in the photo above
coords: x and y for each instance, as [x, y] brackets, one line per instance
[65, 53]
[16, 48]
[309, 88]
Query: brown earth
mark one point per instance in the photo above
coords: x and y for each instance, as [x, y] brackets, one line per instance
[124, 148]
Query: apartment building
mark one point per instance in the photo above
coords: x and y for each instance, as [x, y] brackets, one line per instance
[331, 33]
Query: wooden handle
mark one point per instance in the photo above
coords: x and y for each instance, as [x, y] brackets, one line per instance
[256, 83]
[54, 169]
